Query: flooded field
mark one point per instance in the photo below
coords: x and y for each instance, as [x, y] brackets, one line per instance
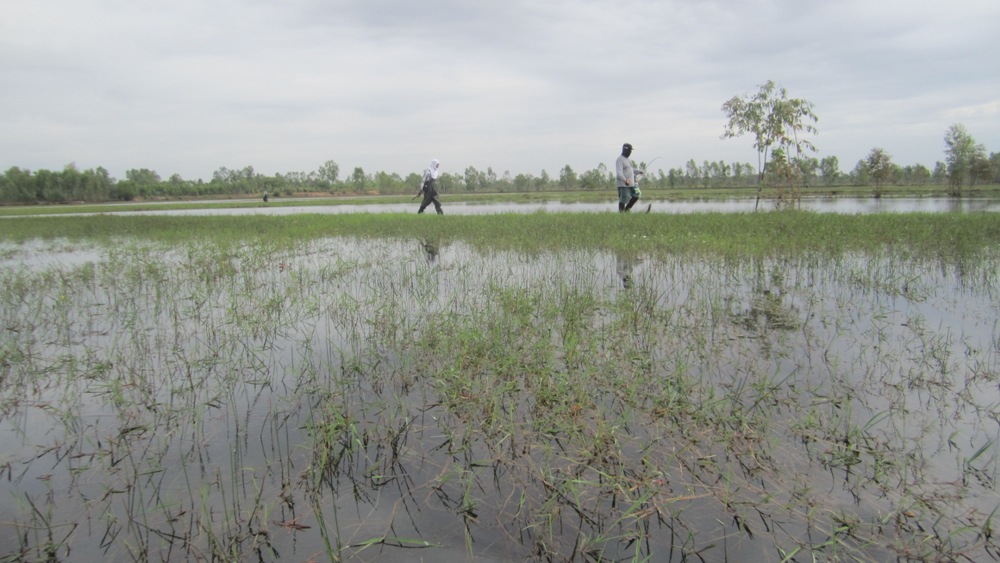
[295, 206]
[400, 400]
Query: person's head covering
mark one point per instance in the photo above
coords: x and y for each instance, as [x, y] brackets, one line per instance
[627, 149]
[434, 167]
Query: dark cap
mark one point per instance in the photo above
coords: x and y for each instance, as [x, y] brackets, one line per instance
[627, 146]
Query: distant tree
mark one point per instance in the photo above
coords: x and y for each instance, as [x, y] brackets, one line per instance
[474, 179]
[808, 167]
[328, 172]
[412, 181]
[961, 153]
[880, 169]
[142, 176]
[981, 168]
[940, 174]
[567, 179]
[97, 185]
[359, 180]
[523, 182]
[594, 179]
[17, 186]
[829, 168]
[448, 183]
[543, 181]
[918, 174]
[221, 175]
[674, 177]
[723, 172]
[139, 182]
[859, 175]
[775, 121]
[691, 172]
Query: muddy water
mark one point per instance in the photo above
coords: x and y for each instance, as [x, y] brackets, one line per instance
[392, 400]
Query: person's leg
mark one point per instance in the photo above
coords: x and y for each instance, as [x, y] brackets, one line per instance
[437, 206]
[428, 197]
[633, 196]
[623, 196]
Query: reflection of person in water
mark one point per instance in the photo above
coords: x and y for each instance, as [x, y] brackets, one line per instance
[623, 267]
[431, 248]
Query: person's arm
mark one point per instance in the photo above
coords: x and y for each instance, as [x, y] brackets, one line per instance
[423, 182]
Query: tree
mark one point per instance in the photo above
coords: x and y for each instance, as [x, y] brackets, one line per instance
[808, 167]
[940, 173]
[594, 179]
[880, 168]
[981, 168]
[691, 172]
[567, 179]
[829, 168]
[359, 180]
[860, 173]
[474, 179]
[142, 176]
[328, 172]
[918, 174]
[776, 121]
[961, 154]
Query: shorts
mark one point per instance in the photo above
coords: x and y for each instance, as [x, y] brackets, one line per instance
[626, 193]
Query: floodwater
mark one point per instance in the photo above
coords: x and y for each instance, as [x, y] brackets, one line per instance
[401, 400]
[820, 205]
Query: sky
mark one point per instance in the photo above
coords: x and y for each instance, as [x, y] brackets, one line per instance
[191, 86]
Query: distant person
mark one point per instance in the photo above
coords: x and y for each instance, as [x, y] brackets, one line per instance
[625, 177]
[428, 187]
[265, 197]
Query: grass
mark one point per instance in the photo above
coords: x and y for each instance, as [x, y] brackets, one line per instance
[765, 387]
[737, 235]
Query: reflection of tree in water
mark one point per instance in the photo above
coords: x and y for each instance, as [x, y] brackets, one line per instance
[766, 309]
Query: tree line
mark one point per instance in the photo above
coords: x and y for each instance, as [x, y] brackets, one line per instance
[778, 124]
[20, 186]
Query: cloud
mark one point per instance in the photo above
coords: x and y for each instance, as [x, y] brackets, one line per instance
[189, 87]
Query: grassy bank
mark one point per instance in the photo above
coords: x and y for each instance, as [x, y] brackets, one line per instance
[725, 234]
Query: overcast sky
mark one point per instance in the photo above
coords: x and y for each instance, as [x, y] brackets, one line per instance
[190, 86]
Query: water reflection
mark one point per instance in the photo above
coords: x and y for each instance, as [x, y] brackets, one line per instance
[624, 264]
[431, 248]
[352, 400]
[819, 205]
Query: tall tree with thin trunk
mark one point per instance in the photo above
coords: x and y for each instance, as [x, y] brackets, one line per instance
[776, 122]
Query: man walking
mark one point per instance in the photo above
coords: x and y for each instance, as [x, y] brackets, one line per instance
[625, 177]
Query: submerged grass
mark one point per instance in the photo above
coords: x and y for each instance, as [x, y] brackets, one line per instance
[778, 386]
[742, 234]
